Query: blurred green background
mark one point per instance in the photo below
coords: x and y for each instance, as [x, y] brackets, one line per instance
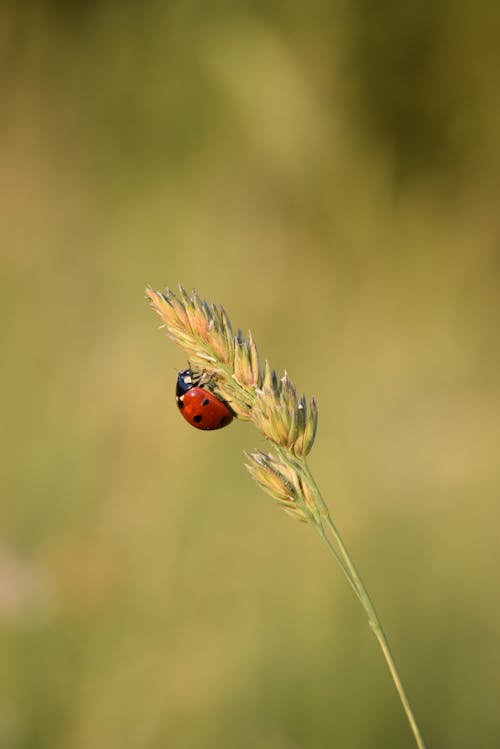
[330, 173]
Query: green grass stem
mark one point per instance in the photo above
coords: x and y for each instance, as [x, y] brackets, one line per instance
[339, 551]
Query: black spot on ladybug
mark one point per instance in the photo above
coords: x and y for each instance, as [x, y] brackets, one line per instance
[197, 418]
[205, 402]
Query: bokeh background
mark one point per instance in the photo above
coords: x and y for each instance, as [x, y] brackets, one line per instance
[330, 173]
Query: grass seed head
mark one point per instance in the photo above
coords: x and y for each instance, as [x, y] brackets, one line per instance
[275, 478]
[231, 368]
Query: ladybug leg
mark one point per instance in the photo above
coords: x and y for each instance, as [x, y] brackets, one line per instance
[207, 379]
[196, 375]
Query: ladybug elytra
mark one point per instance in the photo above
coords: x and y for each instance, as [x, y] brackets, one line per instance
[201, 408]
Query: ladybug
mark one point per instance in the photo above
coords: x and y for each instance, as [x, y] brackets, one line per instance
[201, 408]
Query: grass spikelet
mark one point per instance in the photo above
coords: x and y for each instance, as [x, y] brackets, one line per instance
[230, 364]
[242, 365]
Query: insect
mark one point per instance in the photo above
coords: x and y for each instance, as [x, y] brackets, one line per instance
[201, 408]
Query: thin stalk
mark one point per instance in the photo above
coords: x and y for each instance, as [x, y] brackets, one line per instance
[352, 575]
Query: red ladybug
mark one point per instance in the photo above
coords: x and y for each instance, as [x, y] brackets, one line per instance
[201, 408]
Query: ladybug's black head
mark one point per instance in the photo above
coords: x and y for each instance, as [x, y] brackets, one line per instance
[185, 381]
